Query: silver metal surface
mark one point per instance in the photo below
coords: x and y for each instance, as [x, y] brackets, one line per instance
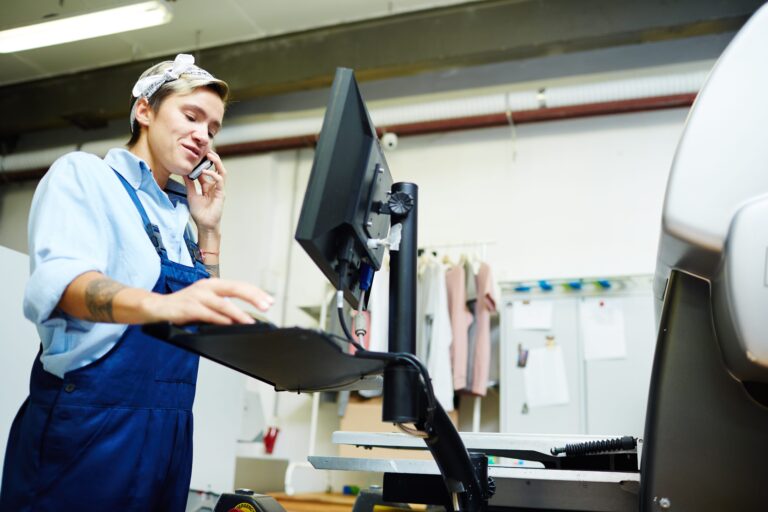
[714, 220]
[428, 467]
[521, 487]
[520, 446]
[740, 293]
[716, 170]
[415, 466]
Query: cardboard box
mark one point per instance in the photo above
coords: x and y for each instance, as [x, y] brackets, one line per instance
[365, 416]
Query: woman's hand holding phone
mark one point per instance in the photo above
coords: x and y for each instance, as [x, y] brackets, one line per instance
[206, 201]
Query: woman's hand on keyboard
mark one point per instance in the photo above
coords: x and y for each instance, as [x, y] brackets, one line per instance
[208, 301]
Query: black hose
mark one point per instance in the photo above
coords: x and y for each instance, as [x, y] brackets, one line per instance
[601, 446]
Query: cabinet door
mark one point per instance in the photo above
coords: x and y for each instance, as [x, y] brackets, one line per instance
[516, 415]
[607, 397]
[617, 389]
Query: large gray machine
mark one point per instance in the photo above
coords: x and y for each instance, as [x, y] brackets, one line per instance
[706, 435]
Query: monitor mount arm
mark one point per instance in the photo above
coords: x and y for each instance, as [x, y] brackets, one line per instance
[465, 476]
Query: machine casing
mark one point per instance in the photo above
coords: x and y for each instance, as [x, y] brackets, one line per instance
[707, 414]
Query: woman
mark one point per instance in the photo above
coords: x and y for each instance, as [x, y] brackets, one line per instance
[108, 423]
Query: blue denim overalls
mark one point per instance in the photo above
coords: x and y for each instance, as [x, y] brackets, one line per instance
[115, 434]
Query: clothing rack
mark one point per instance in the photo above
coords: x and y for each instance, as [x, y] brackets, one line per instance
[483, 246]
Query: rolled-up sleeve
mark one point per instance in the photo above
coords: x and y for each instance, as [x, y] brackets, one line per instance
[68, 233]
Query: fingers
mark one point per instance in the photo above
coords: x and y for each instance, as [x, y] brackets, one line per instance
[217, 170]
[186, 306]
[190, 184]
[220, 169]
[206, 306]
[240, 290]
[208, 315]
[207, 300]
[212, 179]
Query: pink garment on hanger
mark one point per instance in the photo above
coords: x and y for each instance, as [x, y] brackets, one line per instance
[461, 319]
[485, 305]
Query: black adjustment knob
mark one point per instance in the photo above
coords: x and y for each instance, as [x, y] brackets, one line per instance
[245, 492]
[400, 203]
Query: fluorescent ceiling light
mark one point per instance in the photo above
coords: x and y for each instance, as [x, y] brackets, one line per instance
[85, 26]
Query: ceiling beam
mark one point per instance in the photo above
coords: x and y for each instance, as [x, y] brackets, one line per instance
[462, 35]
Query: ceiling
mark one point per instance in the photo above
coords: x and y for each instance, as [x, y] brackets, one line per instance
[267, 48]
[196, 24]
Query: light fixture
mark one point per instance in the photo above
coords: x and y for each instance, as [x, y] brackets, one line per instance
[85, 26]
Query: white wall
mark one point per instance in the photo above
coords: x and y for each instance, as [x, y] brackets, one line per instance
[18, 341]
[571, 198]
[15, 201]
[217, 410]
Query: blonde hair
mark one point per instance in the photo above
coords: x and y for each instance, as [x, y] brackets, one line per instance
[185, 84]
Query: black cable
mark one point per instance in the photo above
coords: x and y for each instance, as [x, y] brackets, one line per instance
[343, 266]
[344, 328]
[412, 359]
[416, 363]
[396, 356]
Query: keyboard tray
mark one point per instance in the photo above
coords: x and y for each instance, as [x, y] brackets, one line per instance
[290, 359]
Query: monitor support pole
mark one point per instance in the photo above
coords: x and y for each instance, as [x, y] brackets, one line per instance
[401, 404]
[465, 476]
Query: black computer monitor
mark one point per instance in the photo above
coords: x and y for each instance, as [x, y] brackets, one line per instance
[350, 179]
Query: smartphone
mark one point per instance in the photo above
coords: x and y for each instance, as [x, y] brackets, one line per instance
[199, 168]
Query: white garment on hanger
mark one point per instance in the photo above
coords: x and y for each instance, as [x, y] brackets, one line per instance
[433, 331]
[424, 295]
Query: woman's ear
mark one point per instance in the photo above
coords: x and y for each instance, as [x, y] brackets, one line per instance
[143, 111]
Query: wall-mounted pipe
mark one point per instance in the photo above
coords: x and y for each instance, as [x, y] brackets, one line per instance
[476, 121]
[29, 160]
[543, 114]
[556, 103]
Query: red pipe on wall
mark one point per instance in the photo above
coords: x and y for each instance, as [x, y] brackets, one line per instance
[440, 126]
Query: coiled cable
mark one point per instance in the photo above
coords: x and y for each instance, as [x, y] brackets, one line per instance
[601, 446]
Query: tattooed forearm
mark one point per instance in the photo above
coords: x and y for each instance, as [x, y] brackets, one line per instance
[98, 299]
[213, 270]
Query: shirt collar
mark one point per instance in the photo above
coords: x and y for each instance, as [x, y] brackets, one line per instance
[128, 165]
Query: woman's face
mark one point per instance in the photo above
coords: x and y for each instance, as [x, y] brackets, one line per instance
[181, 131]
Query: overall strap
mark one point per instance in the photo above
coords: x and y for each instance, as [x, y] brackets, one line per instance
[177, 197]
[192, 247]
[153, 232]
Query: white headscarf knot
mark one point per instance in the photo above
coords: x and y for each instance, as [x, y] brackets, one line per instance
[149, 85]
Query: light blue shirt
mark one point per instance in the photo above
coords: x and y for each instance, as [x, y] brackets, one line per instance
[82, 219]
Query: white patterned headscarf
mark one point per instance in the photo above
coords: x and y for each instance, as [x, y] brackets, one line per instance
[183, 65]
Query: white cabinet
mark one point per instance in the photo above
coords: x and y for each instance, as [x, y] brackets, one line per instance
[19, 341]
[516, 415]
[605, 396]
